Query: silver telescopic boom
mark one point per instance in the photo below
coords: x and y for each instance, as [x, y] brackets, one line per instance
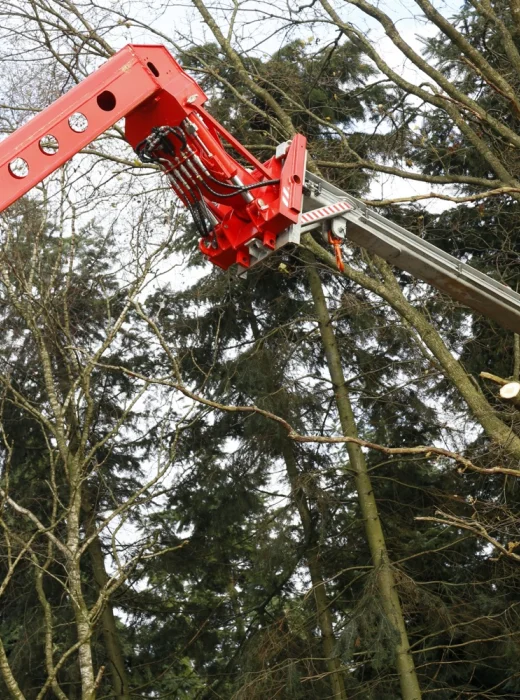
[328, 206]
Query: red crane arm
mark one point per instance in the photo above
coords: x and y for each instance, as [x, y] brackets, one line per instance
[243, 209]
[165, 121]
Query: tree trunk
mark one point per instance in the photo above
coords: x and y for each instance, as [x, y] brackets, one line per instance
[113, 648]
[323, 612]
[516, 357]
[391, 292]
[390, 600]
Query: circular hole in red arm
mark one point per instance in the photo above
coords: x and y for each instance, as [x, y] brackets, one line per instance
[19, 168]
[78, 122]
[106, 101]
[49, 145]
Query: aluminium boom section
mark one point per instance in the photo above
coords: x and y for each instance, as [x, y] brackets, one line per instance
[412, 254]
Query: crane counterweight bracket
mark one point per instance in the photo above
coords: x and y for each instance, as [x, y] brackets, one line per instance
[243, 209]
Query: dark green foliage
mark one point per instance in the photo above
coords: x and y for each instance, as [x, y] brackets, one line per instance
[228, 609]
[253, 341]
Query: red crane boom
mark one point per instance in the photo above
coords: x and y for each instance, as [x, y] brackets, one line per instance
[243, 209]
[165, 121]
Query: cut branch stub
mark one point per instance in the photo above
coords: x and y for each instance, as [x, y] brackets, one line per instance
[510, 390]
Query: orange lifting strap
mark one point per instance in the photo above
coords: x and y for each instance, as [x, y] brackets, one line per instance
[336, 243]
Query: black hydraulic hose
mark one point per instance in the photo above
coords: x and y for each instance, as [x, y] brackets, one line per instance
[238, 188]
[197, 207]
[245, 188]
[179, 133]
[159, 132]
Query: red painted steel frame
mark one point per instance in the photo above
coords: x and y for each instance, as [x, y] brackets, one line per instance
[148, 87]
